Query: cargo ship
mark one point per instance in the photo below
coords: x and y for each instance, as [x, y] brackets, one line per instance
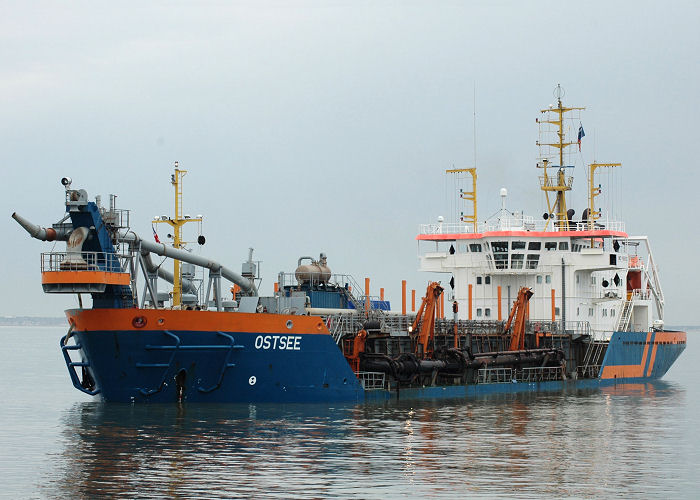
[532, 305]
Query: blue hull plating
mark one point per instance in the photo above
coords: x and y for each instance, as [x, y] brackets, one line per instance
[217, 367]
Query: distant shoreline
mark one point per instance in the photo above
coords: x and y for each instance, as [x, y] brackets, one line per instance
[32, 321]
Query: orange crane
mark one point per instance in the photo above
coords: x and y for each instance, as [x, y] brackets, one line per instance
[519, 312]
[358, 347]
[426, 318]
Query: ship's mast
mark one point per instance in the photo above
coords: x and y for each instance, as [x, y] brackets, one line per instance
[177, 222]
[560, 183]
[467, 195]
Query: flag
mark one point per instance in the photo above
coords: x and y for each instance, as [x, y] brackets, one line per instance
[155, 235]
[581, 135]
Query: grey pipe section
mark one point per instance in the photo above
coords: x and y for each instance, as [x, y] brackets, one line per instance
[41, 233]
[187, 285]
[174, 253]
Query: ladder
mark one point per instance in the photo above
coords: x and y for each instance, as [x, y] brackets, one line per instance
[623, 323]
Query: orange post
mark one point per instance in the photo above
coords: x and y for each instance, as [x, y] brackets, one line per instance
[470, 300]
[442, 305]
[554, 316]
[413, 301]
[277, 287]
[500, 312]
[403, 296]
[367, 295]
[381, 294]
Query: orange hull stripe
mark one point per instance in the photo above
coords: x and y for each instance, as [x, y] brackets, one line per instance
[53, 277]
[167, 319]
[653, 358]
[621, 371]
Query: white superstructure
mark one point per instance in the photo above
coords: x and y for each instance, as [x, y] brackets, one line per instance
[586, 275]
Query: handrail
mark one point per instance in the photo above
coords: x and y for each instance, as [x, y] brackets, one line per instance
[92, 261]
[232, 345]
[149, 392]
[519, 223]
[70, 364]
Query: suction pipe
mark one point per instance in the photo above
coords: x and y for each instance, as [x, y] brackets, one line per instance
[184, 256]
[41, 233]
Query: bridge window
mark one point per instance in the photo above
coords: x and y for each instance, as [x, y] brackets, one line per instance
[500, 254]
[590, 311]
[518, 245]
[475, 247]
[534, 245]
[532, 260]
[516, 260]
[563, 245]
[612, 312]
[550, 245]
[487, 280]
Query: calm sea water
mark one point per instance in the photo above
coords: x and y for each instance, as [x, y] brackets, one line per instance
[633, 441]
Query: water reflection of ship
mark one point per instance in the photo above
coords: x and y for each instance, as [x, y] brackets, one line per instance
[544, 443]
[164, 450]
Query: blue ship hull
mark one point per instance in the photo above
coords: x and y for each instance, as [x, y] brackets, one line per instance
[165, 366]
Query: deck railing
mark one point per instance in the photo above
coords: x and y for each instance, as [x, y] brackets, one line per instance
[85, 261]
[520, 223]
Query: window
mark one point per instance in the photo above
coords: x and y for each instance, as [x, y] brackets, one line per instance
[478, 280]
[487, 280]
[548, 279]
[516, 260]
[612, 312]
[592, 280]
[487, 312]
[590, 311]
[518, 245]
[534, 245]
[500, 254]
[578, 279]
[478, 311]
[475, 247]
[539, 279]
[563, 245]
[578, 312]
[532, 260]
[605, 312]
[556, 311]
[550, 245]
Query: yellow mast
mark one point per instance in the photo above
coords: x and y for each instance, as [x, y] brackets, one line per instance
[177, 222]
[561, 183]
[467, 195]
[594, 191]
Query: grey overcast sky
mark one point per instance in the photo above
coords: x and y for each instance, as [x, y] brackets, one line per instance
[327, 126]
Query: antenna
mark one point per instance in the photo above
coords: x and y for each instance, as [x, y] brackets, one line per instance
[474, 111]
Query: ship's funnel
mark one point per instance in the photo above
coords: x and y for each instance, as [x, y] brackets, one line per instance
[41, 233]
